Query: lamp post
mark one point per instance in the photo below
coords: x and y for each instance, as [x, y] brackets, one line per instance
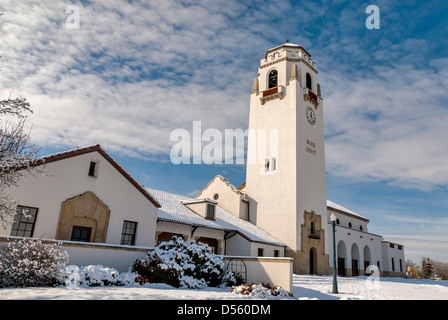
[333, 225]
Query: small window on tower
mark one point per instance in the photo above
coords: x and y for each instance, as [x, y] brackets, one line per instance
[308, 81]
[266, 165]
[273, 81]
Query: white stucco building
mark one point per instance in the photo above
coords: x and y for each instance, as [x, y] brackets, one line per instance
[280, 211]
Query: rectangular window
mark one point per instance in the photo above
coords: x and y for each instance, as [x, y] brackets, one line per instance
[276, 253]
[274, 164]
[393, 265]
[401, 266]
[24, 221]
[81, 234]
[210, 211]
[128, 233]
[391, 245]
[92, 169]
[260, 252]
[266, 165]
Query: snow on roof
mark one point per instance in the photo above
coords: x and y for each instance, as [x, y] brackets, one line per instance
[172, 209]
[336, 206]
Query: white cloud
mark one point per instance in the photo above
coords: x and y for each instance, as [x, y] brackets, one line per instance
[129, 75]
[134, 72]
[389, 125]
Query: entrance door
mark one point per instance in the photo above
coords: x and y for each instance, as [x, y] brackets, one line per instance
[366, 264]
[354, 268]
[341, 267]
[313, 261]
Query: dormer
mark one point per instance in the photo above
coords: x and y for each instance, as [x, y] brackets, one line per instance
[227, 197]
[204, 207]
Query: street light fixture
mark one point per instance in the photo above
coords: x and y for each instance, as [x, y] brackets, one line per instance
[333, 225]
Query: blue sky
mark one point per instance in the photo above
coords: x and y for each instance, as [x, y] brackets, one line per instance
[136, 70]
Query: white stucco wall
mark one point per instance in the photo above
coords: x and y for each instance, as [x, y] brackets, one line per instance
[394, 253]
[275, 271]
[358, 245]
[280, 197]
[69, 178]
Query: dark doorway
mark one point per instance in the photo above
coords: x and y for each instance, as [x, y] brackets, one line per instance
[313, 261]
[212, 243]
[354, 268]
[366, 264]
[341, 267]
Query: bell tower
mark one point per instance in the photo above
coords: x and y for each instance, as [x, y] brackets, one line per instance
[286, 183]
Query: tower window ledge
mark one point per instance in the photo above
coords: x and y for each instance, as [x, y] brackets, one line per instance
[311, 97]
[272, 93]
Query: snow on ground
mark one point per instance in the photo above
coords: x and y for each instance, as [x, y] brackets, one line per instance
[306, 287]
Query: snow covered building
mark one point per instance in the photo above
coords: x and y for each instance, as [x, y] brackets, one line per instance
[85, 196]
[203, 220]
[280, 211]
[285, 191]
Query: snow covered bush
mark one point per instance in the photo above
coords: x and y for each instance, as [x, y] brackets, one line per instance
[259, 290]
[183, 264]
[98, 275]
[32, 263]
[152, 269]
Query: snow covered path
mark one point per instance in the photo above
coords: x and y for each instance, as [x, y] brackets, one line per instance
[306, 287]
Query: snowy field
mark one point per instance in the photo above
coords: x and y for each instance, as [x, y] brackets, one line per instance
[306, 287]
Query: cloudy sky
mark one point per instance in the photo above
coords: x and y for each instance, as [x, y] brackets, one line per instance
[136, 70]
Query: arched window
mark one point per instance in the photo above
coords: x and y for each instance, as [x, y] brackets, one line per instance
[360, 228]
[349, 224]
[273, 81]
[308, 81]
[337, 221]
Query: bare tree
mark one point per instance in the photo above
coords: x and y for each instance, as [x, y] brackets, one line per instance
[16, 153]
[441, 269]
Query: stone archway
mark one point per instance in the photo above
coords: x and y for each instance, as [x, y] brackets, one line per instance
[312, 247]
[86, 211]
[342, 256]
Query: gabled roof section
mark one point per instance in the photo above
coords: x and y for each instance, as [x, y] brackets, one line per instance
[96, 148]
[227, 182]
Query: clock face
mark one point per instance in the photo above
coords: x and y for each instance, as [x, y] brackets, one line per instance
[310, 115]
